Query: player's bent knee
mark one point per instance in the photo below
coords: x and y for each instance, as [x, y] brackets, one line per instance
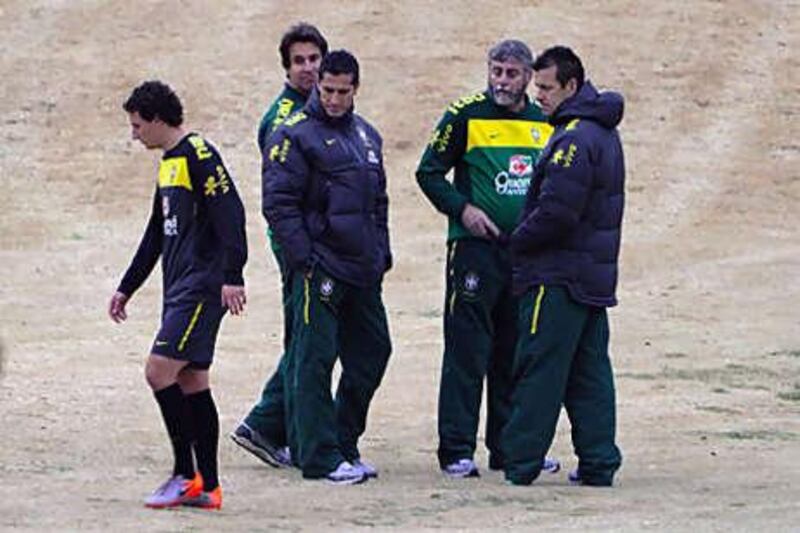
[192, 380]
[161, 372]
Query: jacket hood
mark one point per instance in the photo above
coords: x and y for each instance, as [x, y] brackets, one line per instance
[605, 108]
[314, 108]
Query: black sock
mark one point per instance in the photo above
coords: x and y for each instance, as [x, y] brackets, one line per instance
[206, 427]
[172, 403]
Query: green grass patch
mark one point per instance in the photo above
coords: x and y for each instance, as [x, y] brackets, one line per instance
[792, 395]
[758, 434]
[431, 313]
[718, 409]
[730, 376]
[637, 375]
[785, 353]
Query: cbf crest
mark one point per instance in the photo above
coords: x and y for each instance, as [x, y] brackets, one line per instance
[472, 282]
[326, 288]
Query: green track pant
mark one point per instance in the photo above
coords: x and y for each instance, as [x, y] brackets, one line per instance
[479, 337]
[332, 317]
[268, 416]
[561, 358]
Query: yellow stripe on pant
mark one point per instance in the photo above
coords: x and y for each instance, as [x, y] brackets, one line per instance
[307, 302]
[189, 328]
[451, 273]
[536, 308]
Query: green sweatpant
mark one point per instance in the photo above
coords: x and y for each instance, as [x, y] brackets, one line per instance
[561, 358]
[333, 317]
[479, 337]
[268, 416]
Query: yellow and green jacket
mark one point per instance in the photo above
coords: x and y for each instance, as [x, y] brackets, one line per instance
[289, 101]
[493, 152]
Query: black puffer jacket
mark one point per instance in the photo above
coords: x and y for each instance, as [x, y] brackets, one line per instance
[324, 194]
[570, 227]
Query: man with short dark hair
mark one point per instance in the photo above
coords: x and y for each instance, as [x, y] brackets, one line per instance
[566, 249]
[197, 228]
[324, 195]
[301, 49]
[264, 432]
[492, 139]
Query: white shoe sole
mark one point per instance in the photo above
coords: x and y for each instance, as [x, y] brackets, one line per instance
[342, 482]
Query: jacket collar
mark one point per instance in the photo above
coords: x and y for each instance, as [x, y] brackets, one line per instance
[294, 93]
[314, 108]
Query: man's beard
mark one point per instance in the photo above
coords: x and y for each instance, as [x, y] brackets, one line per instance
[505, 98]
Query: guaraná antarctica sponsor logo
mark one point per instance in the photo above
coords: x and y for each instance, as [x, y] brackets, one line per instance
[516, 181]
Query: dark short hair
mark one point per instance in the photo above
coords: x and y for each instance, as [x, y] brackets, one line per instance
[301, 33]
[512, 49]
[340, 62]
[154, 99]
[568, 64]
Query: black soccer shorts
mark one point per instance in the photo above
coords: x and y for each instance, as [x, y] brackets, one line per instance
[189, 332]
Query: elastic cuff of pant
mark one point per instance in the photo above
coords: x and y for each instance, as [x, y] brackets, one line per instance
[255, 424]
[320, 473]
[315, 475]
[252, 423]
[596, 482]
[496, 464]
[522, 482]
[448, 460]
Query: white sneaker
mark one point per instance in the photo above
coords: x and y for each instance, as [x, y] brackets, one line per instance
[461, 469]
[368, 470]
[346, 474]
[551, 465]
[175, 491]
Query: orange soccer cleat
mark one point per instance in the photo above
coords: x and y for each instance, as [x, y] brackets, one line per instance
[206, 499]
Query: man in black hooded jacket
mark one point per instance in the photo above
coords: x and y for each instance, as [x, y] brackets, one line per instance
[324, 196]
[565, 251]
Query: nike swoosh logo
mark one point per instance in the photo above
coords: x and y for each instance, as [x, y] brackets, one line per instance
[161, 343]
[330, 141]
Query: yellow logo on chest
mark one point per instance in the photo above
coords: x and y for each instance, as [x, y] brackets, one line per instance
[174, 172]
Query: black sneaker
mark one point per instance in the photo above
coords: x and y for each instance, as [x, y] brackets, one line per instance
[252, 441]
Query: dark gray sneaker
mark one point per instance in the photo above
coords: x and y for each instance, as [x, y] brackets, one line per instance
[252, 441]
